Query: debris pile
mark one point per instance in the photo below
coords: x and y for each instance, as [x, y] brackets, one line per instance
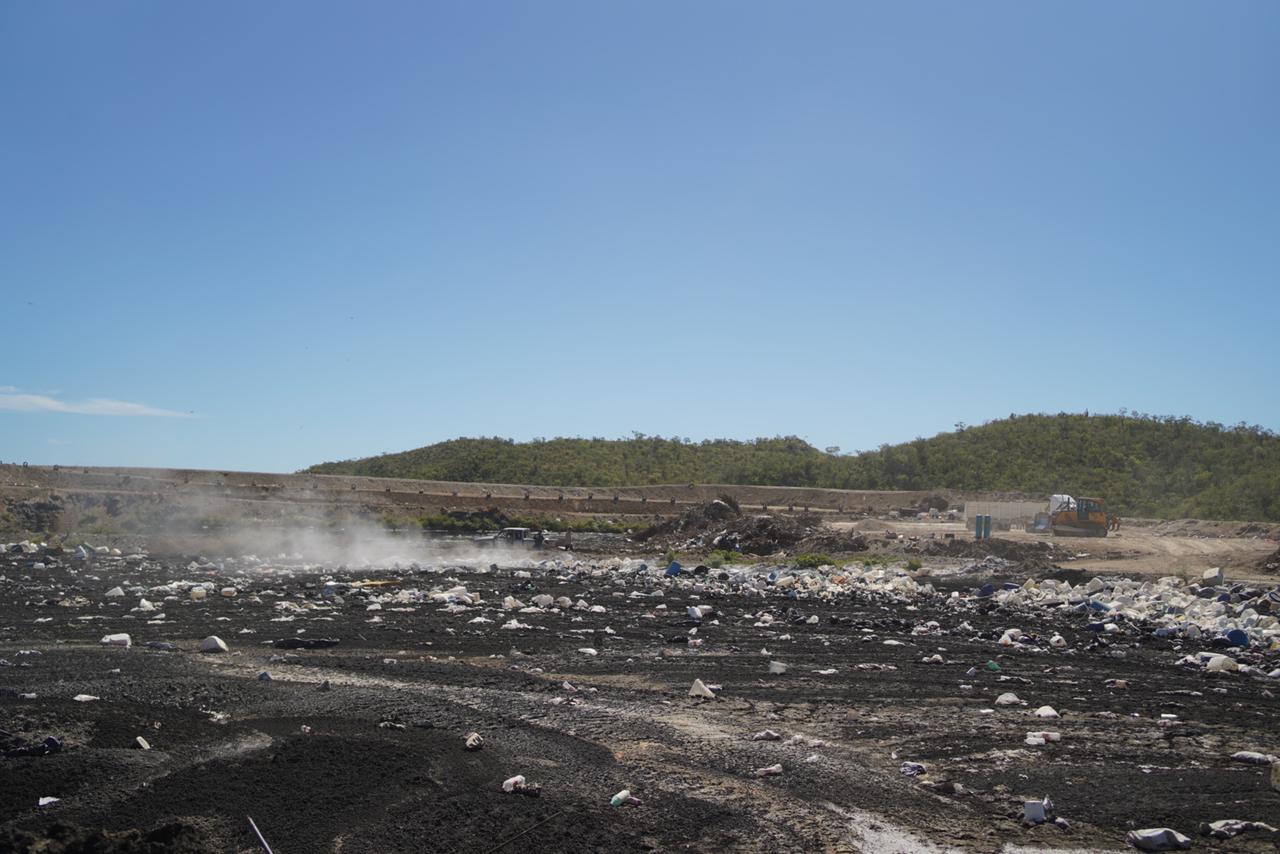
[721, 525]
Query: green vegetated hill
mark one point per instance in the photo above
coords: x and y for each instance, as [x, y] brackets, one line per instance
[1141, 465]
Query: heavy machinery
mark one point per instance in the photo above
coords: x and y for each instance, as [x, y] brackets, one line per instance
[1078, 517]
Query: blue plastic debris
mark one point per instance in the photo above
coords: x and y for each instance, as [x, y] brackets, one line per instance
[1238, 637]
[986, 591]
[673, 569]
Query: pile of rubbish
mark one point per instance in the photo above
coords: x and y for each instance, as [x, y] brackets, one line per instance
[720, 524]
[1226, 615]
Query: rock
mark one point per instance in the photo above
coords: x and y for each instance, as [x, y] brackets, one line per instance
[766, 735]
[1212, 578]
[698, 689]
[121, 639]
[213, 643]
[1045, 712]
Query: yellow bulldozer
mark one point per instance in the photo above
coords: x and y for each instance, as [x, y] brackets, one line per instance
[1080, 517]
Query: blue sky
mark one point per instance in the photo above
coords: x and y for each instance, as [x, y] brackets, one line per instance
[259, 236]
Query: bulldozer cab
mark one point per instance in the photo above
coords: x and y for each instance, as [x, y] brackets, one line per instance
[1086, 506]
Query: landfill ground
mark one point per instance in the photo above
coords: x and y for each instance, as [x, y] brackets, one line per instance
[359, 747]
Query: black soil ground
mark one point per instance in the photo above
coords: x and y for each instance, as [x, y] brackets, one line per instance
[376, 763]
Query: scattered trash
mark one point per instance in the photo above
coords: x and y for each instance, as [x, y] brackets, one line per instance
[777, 668]
[1229, 827]
[519, 786]
[770, 771]
[85, 698]
[473, 741]
[698, 689]
[623, 797]
[117, 640]
[912, 769]
[1157, 839]
[1009, 699]
[213, 643]
[46, 801]
[141, 743]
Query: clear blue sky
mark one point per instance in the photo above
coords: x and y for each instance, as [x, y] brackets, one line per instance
[322, 230]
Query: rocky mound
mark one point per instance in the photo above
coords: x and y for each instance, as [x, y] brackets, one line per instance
[720, 524]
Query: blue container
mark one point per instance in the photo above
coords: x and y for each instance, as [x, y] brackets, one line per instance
[977, 527]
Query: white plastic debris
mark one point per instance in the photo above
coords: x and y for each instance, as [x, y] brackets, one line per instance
[120, 639]
[1158, 839]
[777, 668]
[1045, 712]
[1229, 827]
[213, 643]
[474, 741]
[699, 689]
[115, 593]
[1009, 699]
[770, 771]
[85, 698]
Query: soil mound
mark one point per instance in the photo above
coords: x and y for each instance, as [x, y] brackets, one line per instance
[1007, 549]
[172, 838]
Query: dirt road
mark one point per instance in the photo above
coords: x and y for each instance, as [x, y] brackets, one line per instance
[1130, 550]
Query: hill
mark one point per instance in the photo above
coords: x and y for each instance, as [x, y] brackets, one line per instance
[1142, 465]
